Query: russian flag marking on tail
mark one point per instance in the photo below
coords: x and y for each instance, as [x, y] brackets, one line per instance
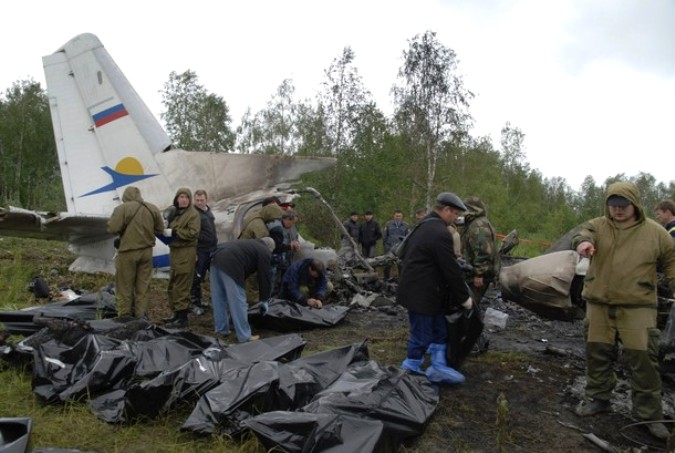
[109, 115]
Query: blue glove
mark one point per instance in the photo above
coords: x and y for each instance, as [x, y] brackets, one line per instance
[264, 307]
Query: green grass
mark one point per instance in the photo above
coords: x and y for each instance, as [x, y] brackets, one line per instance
[14, 279]
[72, 425]
[501, 357]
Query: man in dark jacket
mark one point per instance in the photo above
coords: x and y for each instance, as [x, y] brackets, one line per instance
[430, 283]
[231, 264]
[369, 234]
[305, 283]
[206, 245]
[137, 222]
[665, 215]
[349, 241]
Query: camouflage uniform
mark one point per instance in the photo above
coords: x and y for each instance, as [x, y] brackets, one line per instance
[185, 225]
[479, 246]
[137, 222]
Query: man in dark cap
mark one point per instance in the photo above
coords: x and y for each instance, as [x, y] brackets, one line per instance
[431, 282]
[625, 248]
[306, 283]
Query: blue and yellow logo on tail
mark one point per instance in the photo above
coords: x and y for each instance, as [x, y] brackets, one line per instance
[127, 171]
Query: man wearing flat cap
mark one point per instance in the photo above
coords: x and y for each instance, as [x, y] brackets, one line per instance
[431, 282]
[624, 247]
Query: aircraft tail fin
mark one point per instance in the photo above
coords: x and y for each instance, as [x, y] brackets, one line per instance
[106, 137]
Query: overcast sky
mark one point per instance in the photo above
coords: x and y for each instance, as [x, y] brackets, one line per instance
[591, 83]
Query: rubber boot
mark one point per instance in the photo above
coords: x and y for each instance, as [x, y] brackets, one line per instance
[439, 371]
[179, 321]
[413, 365]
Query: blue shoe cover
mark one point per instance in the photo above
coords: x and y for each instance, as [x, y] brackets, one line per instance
[445, 375]
[413, 365]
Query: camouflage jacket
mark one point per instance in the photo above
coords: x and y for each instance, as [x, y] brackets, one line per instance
[479, 246]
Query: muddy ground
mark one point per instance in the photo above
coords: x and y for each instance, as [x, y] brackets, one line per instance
[536, 364]
[535, 367]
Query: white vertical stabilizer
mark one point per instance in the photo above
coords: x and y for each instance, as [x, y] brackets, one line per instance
[106, 136]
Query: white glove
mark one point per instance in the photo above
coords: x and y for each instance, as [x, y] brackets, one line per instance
[168, 232]
[467, 304]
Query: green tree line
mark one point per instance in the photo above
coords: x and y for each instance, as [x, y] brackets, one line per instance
[400, 161]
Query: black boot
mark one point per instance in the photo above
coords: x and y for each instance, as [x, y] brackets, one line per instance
[170, 319]
[197, 308]
[180, 320]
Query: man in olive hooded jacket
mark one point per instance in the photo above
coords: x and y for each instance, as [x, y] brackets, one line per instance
[183, 227]
[136, 222]
[624, 247]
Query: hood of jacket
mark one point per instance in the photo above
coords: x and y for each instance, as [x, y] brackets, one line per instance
[182, 191]
[271, 212]
[474, 208]
[630, 192]
[132, 193]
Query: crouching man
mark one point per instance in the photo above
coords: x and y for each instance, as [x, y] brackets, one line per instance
[306, 283]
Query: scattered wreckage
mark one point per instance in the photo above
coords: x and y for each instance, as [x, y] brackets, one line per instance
[127, 371]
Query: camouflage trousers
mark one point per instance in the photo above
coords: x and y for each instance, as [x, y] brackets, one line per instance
[252, 289]
[639, 336]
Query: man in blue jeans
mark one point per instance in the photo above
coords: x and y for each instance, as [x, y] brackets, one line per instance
[430, 283]
[231, 264]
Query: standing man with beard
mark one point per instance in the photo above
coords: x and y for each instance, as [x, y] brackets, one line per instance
[625, 248]
[206, 245]
[183, 229]
[432, 282]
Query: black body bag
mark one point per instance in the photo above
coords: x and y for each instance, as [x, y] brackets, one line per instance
[464, 329]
